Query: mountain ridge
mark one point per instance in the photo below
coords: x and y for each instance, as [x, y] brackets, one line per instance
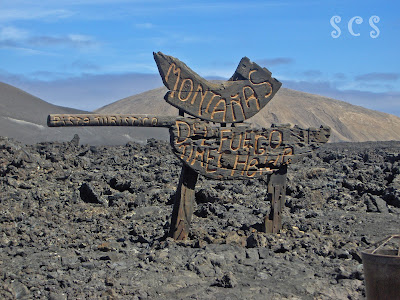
[24, 116]
[348, 122]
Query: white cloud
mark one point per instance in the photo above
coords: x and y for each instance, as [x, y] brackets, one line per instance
[14, 38]
[82, 40]
[74, 2]
[275, 61]
[111, 9]
[23, 41]
[12, 33]
[378, 76]
[7, 15]
[163, 38]
[29, 51]
[72, 40]
[145, 26]
[384, 101]
[83, 65]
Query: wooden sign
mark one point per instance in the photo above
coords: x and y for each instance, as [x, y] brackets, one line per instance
[213, 151]
[241, 152]
[61, 120]
[216, 151]
[241, 97]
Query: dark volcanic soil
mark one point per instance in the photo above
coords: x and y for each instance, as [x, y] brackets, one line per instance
[81, 222]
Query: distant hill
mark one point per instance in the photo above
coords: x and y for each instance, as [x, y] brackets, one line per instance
[23, 117]
[348, 122]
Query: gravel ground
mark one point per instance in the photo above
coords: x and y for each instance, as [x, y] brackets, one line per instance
[85, 222]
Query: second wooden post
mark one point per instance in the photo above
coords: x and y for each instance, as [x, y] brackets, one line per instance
[276, 194]
[184, 203]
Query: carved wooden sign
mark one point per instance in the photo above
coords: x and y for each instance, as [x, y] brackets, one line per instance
[241, 97]
[241, 152]
[214, 150]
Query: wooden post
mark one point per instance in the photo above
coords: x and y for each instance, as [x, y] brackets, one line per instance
[184, 202]
[276, 193]
[183, 206]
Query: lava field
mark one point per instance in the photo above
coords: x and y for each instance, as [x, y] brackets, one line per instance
[91, 222]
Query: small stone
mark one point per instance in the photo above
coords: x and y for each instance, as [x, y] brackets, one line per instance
[263, 252]
[109, 281]
[228, 280]
[235, 239]
[75, 140]
[341, 253]
[108, 246]
[20, 290]
[88, 265]
[252, 254]
[252, 241]
[57, 296]
[375, 203]
[89, 195]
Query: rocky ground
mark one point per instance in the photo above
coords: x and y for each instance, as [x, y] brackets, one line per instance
[85, 222]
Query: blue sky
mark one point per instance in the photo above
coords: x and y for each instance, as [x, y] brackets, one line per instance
[88, 53]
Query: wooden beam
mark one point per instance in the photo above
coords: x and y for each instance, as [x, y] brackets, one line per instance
[277, 194]
[183, 206]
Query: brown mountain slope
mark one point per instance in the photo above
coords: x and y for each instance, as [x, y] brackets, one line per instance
[24, 117]
[348, 122]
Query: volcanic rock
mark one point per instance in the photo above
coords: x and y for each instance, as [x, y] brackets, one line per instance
[98, 227]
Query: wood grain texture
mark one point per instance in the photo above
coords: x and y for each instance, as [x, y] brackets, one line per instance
[241, 152]
[276, 195]
[218, 152]
[65, 120]
[249, 89]
[183, 206]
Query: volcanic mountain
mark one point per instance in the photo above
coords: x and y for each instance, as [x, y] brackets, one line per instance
[24, 118]
[348, 122]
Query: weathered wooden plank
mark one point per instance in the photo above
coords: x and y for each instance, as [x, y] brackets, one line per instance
[249, 89]
[241, 152]
[183, 205]
[58, 120]
[182, 211]
[276, 194]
